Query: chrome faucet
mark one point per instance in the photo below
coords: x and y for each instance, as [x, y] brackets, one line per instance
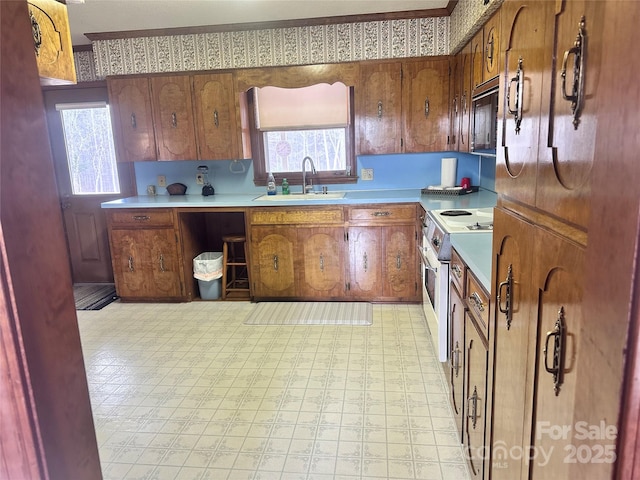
[304, 174]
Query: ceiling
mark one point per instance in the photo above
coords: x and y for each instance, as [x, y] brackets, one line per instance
[100, 16]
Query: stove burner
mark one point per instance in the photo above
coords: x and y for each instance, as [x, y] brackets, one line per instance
[454, 213]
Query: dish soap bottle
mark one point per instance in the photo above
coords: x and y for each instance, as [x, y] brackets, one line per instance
[285, 187]
[271, 185]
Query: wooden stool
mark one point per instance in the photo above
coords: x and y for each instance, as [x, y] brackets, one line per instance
[235, 270]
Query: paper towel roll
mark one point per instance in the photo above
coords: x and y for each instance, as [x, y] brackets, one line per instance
[448, 172]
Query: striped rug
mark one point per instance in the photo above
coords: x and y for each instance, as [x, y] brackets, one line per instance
[310, 313]
[93, 296]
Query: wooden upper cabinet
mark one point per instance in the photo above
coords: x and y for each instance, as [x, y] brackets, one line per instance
[216, 121]
[523, 30]
[52, 41]
[454, 103]
[425, 94]
[464, 59]
[567, 139]
[477, 58]
[378, 109]
[491, 47]
[132, 119]
[173, 117]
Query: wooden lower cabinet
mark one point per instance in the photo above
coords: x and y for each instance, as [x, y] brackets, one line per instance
[475, 392]
[317, 253]
[457, 311]
[322, 262]
[273, 250]
[539, 280]
[145, 255]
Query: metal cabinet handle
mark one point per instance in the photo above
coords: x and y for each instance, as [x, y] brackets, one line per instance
[381, 214]
[506, 287]
[489, 52]
[216, 120]
[398, 261]
[519, 81]
[455, 268]
[161, 261]
[426, 107]
[559, 342]
[141, 218]
[131, 269]
[321, 263]
[174, 120]
[455, 359]
[365, 261]
[472, 406]
[134, 124]
[477, 302]
[577, 89]
[379, 108]
[275, 262]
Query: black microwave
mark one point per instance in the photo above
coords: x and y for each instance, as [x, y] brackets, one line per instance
[485, 121]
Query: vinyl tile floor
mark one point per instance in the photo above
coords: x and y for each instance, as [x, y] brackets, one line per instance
[186, 391]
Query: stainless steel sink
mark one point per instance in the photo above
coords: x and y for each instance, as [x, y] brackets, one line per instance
[297, 197]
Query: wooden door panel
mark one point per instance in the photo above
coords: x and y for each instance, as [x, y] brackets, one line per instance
[476, 359]
[425, 95]
[365, 252]
[273, 267]
[378, 109]
[322, 262]
[477, 59]
[399, 271]
[524, 28]
[457, 360]
[130, 103]
[163, 262]
[465, 99]
[567, 150]
[173, 117]
[513, 337]
[215, 117]
[558, 281]
[491, 47]
[88, 244]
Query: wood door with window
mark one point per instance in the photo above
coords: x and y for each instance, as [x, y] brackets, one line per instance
[83, 178]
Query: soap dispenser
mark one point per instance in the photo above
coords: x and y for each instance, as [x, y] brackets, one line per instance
[271, 185]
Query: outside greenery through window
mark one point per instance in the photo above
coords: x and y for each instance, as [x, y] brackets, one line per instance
[285, 149]
[90, 148]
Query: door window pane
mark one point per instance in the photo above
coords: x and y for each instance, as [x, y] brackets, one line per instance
[90, 149]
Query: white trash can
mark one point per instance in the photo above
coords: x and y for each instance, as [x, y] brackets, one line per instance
[207, 269]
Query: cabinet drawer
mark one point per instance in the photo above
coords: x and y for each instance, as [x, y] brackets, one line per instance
[297, 216]
[155, 217]
[478, 303]
[383, 214]
[457, 272]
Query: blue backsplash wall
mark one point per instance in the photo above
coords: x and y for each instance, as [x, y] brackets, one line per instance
[398, 171]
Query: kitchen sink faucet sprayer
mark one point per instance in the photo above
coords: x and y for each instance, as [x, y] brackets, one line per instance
[304, 174]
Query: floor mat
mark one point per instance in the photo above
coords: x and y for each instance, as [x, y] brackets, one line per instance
[310, 313]
[93, 296]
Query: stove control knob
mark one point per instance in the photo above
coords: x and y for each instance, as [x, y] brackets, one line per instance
[435, 241]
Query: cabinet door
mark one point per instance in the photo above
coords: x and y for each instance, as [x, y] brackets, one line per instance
[215, 117]
[476, 359]
[130, 104]
[425, 94]
[477, 59]
[456, 361]
[163, 261]
[523, 27]
[173, 117]
[378, 109]
[491, 47]
[465, 99]
[567, 139]
[454, 103]
[400, 269]
[558, 281]
[513, 336]
[272, 266]
[128, 259]
[322, 262]
[365, 262]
